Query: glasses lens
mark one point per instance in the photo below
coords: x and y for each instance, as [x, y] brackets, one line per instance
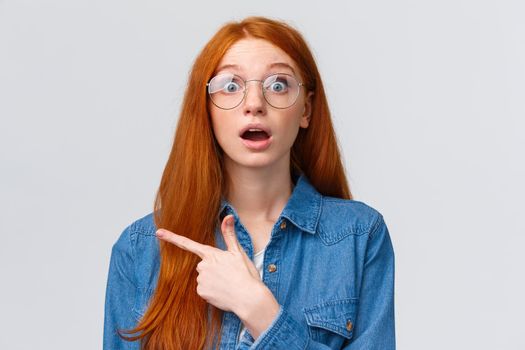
[226, 90]
[281, 90]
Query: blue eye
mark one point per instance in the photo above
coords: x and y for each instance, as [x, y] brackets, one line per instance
[278, 86]
[231, 87]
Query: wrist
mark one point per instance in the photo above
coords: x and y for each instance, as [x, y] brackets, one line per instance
[259, 311]
[250, 300]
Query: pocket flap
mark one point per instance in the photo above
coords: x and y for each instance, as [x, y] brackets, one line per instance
[335, 315]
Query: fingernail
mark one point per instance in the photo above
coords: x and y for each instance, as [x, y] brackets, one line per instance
[159, 233]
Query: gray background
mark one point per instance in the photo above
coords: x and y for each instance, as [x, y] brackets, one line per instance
[427, 98]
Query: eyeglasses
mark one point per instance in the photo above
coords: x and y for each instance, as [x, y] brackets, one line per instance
[228, 90]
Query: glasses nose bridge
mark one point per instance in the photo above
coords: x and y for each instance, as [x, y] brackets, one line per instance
[246, 87]
[247, 81]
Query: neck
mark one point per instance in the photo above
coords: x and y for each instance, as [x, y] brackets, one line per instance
[260, 194]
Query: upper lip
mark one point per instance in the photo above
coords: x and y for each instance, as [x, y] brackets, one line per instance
[255, 126]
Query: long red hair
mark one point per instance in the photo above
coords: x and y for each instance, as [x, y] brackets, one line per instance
[193, 182]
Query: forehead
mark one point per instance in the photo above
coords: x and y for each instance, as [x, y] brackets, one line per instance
[256, 56]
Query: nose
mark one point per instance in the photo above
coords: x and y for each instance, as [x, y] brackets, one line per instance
[254, 102]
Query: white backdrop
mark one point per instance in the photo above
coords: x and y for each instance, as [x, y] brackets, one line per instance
[427, 98]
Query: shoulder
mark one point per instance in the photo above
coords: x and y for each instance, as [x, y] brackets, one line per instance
[142, 226]
[340, 218]
[136, 234]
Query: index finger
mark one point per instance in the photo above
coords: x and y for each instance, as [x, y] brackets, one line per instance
[183, 242]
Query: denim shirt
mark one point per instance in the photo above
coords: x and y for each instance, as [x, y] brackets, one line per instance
[329, 263]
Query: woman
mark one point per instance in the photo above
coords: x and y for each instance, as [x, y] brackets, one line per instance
[255, 241]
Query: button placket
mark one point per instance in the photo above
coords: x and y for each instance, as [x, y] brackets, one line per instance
[271, 262]
[273, 267]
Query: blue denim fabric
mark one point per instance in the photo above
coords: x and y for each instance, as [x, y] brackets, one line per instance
[334, 277]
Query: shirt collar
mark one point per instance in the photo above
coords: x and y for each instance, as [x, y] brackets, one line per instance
[302, 209]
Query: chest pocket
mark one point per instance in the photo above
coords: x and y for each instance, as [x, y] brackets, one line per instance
[332, 322]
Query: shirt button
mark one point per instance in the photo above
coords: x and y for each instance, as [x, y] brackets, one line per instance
[283, 225]
[349, 325]
[272, 268]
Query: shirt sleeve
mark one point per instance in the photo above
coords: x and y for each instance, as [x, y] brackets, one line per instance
[120, 295]
[374, 328]
[375, 325]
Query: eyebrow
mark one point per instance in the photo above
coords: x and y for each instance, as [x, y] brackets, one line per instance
[272, 65]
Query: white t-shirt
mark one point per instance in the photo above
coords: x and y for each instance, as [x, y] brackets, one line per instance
[258, 262]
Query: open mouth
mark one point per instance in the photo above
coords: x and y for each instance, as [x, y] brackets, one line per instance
[257, 138]
[255, 135]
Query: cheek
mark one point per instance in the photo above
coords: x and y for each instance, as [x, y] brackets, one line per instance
[222, 127]
[215, 128]
[290, 127]
[216, 117]
[293, 119]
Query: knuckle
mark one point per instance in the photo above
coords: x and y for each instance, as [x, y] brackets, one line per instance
[211, 257]
[200, 290]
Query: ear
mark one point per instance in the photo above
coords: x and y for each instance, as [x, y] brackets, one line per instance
[305, 118]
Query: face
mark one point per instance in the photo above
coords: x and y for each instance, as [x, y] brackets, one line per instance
[256, 59]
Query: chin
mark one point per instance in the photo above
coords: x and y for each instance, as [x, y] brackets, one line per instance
[253, 161]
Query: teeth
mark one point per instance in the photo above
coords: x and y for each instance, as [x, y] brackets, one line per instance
[254, 130]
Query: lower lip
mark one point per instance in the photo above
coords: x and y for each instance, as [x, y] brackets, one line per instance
[257, 145]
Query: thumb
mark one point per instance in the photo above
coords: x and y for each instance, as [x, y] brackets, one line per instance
[228, 232]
